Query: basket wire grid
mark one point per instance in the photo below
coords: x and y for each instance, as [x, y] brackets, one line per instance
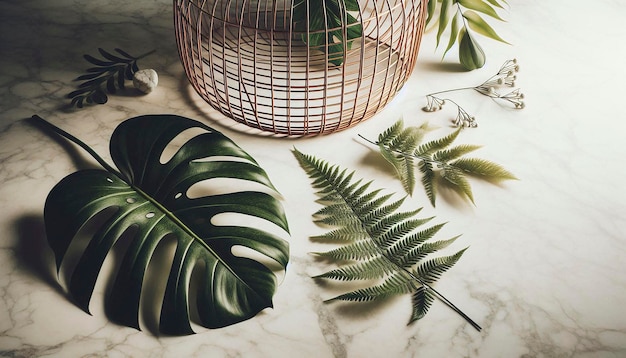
[256, 63]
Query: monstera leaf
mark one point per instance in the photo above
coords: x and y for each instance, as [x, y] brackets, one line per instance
[147, 202]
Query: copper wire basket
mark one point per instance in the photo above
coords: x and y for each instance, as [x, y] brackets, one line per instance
[278, 66]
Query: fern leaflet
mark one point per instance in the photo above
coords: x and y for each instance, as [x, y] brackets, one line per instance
[380, 241]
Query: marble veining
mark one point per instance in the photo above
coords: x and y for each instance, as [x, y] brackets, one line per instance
[543, 275]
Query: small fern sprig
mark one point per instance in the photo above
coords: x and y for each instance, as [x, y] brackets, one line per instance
[438, 161]
[505, 77]
[382, 242]
[108, 75]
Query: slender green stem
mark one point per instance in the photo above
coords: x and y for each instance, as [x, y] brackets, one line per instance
[95, 155]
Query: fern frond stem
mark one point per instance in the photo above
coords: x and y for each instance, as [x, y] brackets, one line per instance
[80, 143]
[437, 294]
[439, 164]
[441, 297]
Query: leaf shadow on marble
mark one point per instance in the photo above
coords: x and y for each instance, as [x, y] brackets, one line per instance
[66, 106]
[441, 66]
[32, 250]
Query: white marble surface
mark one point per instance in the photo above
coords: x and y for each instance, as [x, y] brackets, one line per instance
[544, 274]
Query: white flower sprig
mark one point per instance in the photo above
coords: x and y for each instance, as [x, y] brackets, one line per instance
[506, 77]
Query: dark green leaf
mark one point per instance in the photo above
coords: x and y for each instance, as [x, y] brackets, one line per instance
[108, 74]
[148, 202]
[432, 6]
[97, 61]
[99, 96]
[111, 85]
[481, 6]
[471, 55]
[444, 18]
[111, 57]
[124, 53]
[120, 78]
[479, 25]
[454, 32]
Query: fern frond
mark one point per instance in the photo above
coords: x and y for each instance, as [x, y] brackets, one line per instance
[359, 250]
[378, 229]
[407, 243]
[435, 145]
[375, 267]
[398, 232]
[376, 212]
[404, 166]
[345, 233]
[421, 300]
[394, 285]
[431, 270]
[436, 160]
[392, 132]
[457, 181]
[418, 253]
[483, 168]
[384, 243]
[428, 181]
[447, 155]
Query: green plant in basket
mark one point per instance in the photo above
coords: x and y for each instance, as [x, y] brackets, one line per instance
[325, 20]
[463, 18]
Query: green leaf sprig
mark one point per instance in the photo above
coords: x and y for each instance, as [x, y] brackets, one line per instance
[322, 24]
[379, 241]
[505, 77]
[107, 76]
[461, 20]
[439, 162]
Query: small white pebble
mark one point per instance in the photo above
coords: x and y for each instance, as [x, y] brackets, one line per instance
[145, 80]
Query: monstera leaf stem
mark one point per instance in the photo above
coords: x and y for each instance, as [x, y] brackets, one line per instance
[80, 143]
